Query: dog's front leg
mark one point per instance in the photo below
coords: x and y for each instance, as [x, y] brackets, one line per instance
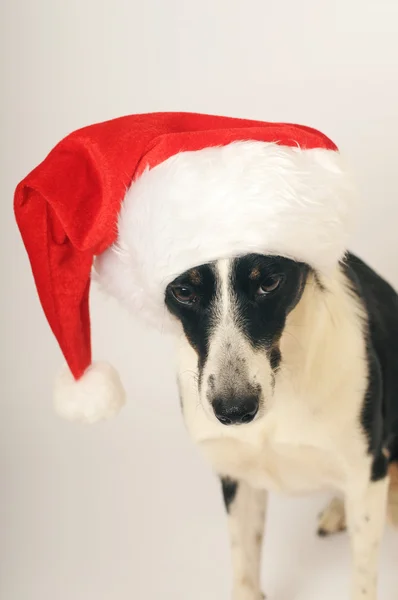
[366, 508]
[246, 508]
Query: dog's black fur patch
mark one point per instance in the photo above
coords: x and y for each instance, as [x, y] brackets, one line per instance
[380, 411]
[196, 318]
[262, 318]
[229, 489]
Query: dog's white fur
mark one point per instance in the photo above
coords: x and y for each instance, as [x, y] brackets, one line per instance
[308, 434]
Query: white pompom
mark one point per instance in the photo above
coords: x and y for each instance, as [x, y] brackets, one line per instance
[97, 395]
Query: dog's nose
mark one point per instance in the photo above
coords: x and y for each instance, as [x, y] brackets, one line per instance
[235, 412]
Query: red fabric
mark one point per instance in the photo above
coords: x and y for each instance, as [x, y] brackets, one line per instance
[67, 207]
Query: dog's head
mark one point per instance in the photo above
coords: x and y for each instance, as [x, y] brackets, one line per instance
[233, 314]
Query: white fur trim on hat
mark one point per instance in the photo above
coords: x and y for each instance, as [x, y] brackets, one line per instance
[97, 395]
[246, 197]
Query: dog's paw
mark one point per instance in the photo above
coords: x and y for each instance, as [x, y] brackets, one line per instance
[332, 519]
[247, 593]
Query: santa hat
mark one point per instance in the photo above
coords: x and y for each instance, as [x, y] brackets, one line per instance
[153, 195]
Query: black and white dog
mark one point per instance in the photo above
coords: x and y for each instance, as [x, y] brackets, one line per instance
[289, 382]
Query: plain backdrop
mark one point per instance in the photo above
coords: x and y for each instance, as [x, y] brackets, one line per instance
[128, 509]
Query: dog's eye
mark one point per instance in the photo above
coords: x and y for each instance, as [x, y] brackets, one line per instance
[269, 285]
[184, 294]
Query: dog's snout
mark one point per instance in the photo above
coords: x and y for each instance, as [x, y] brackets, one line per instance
[234, 411]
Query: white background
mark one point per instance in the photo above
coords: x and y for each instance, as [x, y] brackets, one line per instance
[127, 509]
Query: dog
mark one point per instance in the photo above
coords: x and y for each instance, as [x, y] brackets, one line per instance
[287, 373]
[289, 382]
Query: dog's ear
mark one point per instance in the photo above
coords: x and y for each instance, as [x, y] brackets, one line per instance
[393, 494]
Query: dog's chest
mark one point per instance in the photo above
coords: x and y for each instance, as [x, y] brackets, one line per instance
[286, 452]
[281, 467]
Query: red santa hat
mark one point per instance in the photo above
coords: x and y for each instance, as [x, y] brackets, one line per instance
[150, 196]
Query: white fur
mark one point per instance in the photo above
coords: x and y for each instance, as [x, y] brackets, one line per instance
[246, 528]
[97, 395]
[366, 509]
[221, 202]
